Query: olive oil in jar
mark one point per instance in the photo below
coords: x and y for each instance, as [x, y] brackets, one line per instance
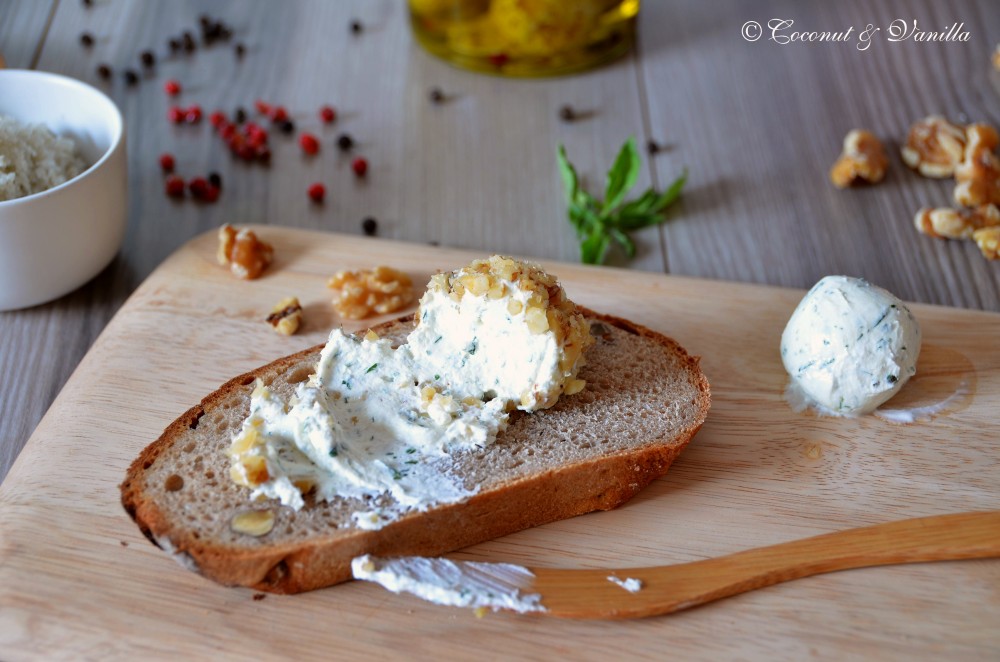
[525, 37]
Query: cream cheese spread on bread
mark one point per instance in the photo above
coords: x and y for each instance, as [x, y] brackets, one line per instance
[380, 420]
[849, 346]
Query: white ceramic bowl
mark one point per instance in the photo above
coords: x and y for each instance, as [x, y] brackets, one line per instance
[56, 240]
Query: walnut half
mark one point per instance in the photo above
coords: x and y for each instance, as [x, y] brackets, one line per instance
[245, 255]
[950, 223]
[978, 175]
[863, 160]
[934, 147]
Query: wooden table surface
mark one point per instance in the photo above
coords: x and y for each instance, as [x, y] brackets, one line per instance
[757, 124]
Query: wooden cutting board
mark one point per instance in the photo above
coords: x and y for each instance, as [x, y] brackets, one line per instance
[78, 580]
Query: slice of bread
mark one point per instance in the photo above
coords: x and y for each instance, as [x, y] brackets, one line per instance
[644, 401]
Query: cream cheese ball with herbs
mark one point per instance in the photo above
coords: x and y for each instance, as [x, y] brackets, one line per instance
[850, 346]
[379, 420]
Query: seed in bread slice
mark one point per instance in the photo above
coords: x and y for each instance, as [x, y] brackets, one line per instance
[644, 401]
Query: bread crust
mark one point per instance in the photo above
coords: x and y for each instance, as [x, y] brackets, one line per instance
[600, 483]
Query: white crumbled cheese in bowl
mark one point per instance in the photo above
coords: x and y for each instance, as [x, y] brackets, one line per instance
[849, 346]
[376, 420]
[33, 159]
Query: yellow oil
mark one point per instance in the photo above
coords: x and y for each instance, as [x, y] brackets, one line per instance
[525, 37]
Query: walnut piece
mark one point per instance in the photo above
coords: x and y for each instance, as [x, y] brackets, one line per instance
[367, 292]
[253, 522]
[934, 147]
[950, 223]
[988, 240]
[286, 317]
[245, 254]
[863, 160]
[978, 175]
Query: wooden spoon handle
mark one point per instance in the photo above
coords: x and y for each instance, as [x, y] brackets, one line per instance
[575, 593]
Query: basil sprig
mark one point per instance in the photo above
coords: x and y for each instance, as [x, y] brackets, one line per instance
[600, 222]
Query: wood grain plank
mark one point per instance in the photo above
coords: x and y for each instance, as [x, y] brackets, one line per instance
[756, 474]
[23, 27]
[759, 124]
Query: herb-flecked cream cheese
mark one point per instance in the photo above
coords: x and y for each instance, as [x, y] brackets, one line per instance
[850, 346]
[376, 420]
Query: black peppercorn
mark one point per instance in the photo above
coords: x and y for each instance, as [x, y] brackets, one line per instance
[287, 127]
[345, 142]
[175, 44]
[652, 147]
[566, 114]
[188, 40]
[215, 179]
[104, 71]
[356, 27]
[241, 50]
[148, 59]
[88, 3]
[436, 95]
[87, 39]
[131, 78]
[369, 226]
[240, 115]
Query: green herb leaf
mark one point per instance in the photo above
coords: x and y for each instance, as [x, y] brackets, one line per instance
[594, 248]
[622, 176]
[599, 223]
[570, 180]
[371, 367]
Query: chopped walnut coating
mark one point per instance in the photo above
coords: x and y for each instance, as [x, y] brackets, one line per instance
[245, 254]
[377, 291]
[988, 240]
[863, 160]
[934, 147]
[286, 317]
[956, 223]
[978, 175]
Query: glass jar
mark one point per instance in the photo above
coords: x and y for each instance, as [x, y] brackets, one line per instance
[525, 37]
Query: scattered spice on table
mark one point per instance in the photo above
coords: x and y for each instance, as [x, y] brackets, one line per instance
[87, 39]
[359, 166]
[317, 192]
[148, 59]
[345, 142]
[104, 71]
[567, 114]
[356, 27]
[167, 162]
[327, 114]
[174, 186]
[369, 226]
[172, 87]
[131, 78]
[309, 144]
[436, 95]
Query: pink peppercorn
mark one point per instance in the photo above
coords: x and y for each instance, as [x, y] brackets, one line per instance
[167, 162]
[174, 186]
[217, 118]
[193, 115]
[172, 87]
[327, 114]
[279, 114]
[175, 114]
[317, 192]
[359, 166]
[198, 186]
[309, 144]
